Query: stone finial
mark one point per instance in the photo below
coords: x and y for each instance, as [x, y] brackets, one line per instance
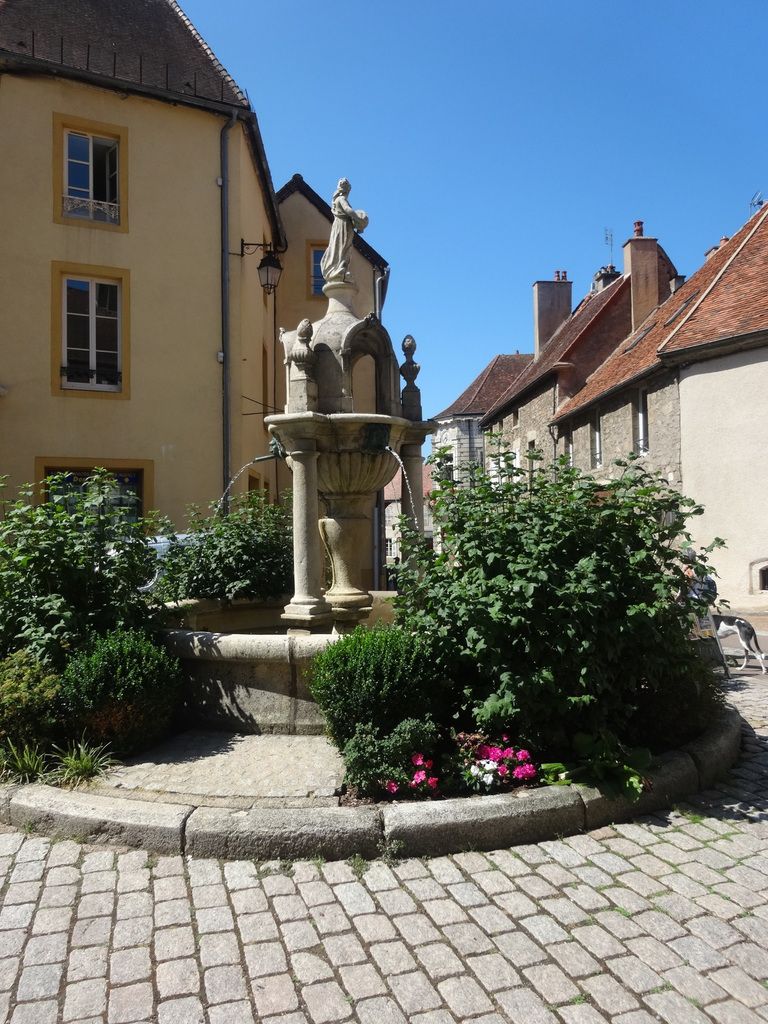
[302, 355]
[409, 371]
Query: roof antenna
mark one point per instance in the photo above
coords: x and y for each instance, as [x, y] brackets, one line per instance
[756, 202]
[609, 242]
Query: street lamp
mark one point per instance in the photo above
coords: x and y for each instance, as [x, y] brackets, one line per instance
[269, 269]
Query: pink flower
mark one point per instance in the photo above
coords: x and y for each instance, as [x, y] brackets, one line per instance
[494, 754]
[505, 738]
[482, 751]
[417, 759]
[524, 771]
[432, 782]
[508, 752]
[418, 778]
[503, 770]
[427, 764]
[523, 755]
[391, 786]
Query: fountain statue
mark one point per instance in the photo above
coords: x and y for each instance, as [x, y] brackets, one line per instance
[341, 457]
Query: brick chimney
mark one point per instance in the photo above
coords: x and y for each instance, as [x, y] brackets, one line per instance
[641, 262]
[551, 307]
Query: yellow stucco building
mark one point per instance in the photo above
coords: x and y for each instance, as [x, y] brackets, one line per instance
[133, 333]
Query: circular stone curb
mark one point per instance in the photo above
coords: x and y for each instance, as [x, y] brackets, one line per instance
[400, 829]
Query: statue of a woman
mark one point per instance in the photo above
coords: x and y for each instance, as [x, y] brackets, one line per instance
[335, 262]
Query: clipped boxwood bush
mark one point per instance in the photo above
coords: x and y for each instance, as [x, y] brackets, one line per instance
[123, 690]
[29, 694]
[246, 553]
[378, 677]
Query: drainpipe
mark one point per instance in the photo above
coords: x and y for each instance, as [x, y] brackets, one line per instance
[226, 415]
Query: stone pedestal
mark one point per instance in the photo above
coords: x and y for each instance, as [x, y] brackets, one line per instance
[346, 530]
[307, 607]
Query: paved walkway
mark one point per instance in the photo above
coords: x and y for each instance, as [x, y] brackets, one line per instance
[665, 919]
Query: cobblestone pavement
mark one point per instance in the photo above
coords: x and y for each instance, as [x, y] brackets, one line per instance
[664, 919]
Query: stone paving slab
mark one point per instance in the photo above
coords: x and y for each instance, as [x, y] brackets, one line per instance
[251, 769]
[664, 918]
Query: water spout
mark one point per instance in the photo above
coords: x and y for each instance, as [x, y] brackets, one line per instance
[405, 475]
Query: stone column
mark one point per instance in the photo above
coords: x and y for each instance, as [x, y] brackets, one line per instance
[413, 491]
[307, 607]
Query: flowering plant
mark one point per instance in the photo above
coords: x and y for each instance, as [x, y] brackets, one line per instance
[421, 783]
[490, 765]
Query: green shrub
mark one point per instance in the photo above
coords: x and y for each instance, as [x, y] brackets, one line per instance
[123, 690]
[374, 758]
[70, 565]
[24, 762]
[377, 677]
[80, 763]
[29, 694]
[246, 553]
[560, 602]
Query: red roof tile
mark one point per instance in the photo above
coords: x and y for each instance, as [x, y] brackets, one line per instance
[561, 342]
[486, 388]
[726, 297]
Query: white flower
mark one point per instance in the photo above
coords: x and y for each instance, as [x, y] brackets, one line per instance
[474, 770]
[487, 779]
[489, 766]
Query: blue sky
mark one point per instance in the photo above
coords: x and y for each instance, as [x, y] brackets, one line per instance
[492, 143]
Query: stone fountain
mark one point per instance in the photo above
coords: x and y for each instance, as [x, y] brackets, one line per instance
[340, 457]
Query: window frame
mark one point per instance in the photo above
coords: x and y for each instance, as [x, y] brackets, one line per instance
[60, 273]
[596, 441]
[46, 465]
[312, 248]
[63, 124]
[642, 431]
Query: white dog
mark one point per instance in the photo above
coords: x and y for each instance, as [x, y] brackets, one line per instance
[727, 625]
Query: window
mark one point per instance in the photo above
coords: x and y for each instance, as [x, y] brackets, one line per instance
[596, 442]
[90, 168]
[90, 330]
[531, 461]
[133, 490]
[91, 178]
[91, 336]
[316, 279]
[641, 423]
[764, 578]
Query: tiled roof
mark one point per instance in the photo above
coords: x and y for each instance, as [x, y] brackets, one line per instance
[297, 184]
[726, 297]
[485, 390]
[149, 43]
[393, 490]
[564, 338]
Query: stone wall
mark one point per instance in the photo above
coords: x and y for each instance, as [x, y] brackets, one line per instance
[619, 430]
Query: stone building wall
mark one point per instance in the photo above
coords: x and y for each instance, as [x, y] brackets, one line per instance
[619, 430]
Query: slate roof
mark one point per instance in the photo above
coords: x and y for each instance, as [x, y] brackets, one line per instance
[485, 389]
[555, 350]
[726, 299]
[148, 43]
[297, 184]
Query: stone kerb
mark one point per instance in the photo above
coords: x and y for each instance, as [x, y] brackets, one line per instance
[414, 829]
